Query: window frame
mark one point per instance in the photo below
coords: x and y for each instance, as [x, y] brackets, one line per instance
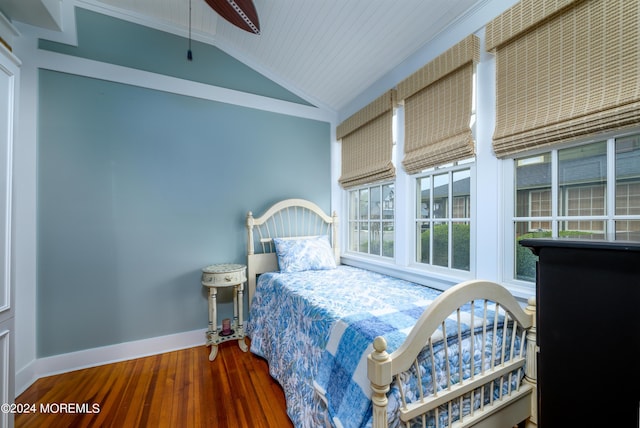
[357, 218]
[556, 219]
[449, 169]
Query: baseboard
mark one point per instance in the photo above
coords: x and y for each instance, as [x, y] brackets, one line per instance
[63, 363]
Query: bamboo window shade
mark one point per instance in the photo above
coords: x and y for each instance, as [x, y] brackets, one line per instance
[565, 69]
[438, 103]
[367, 143]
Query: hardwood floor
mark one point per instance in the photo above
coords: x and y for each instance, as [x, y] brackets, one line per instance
[176, 389]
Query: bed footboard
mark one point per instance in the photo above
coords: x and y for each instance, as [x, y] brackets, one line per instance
[501, 399]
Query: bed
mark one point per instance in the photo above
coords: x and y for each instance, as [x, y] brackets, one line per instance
[355, 348]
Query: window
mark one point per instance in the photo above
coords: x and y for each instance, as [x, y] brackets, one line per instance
[371, 220]
[443, 217]
[591, 190]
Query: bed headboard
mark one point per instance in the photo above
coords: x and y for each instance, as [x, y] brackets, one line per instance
[285, 219]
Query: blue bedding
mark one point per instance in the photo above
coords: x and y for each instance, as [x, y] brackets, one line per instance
[315, 328]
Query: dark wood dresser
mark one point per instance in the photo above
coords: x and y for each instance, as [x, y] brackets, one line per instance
[588, 332]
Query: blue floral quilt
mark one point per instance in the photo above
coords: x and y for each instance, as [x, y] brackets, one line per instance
[315, 328]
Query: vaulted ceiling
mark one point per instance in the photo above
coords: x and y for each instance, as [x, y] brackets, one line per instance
[326, 51]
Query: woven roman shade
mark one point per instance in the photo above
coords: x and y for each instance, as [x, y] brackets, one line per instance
[438, 102]
[367, 143]
[565, 69]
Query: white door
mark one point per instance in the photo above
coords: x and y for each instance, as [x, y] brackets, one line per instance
[9, 69]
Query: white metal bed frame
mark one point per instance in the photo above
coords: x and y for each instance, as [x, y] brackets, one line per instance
[299, 218]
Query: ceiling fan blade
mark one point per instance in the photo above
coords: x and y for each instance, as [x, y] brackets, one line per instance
[241, 13]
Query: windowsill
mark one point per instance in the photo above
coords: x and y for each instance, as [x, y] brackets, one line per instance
[409, 273]
[416, 274]
[521, 291]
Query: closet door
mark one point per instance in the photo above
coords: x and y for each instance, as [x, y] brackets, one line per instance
[9, 76]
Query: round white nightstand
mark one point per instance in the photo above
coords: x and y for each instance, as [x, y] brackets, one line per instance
[222, 276]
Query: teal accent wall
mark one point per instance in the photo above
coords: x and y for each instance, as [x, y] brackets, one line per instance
[139, 189]
[115, 41]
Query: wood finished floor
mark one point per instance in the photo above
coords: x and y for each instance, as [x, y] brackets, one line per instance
[175, 389]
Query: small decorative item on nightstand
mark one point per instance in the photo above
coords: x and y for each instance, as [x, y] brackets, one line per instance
[226, 327]
[221, 276]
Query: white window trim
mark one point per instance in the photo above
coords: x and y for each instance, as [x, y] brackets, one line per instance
[347, 221]
[518, 287]
[508, 177]
[430, 268]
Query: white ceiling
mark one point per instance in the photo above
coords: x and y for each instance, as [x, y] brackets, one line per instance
[326, 51]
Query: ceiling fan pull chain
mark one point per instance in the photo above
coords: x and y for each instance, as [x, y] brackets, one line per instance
[189, 53]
